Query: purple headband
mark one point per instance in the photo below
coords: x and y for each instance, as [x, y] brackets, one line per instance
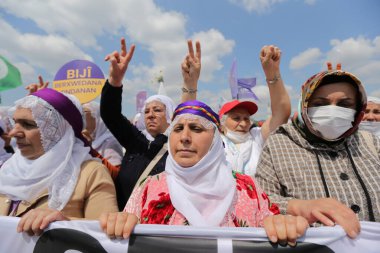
[66, 108]
[197, 108]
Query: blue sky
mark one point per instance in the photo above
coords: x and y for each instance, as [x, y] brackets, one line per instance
[40, 36]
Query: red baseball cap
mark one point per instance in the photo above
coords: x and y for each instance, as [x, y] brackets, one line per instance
[251, 107]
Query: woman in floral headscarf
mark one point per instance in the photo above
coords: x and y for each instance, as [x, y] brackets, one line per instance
[320, 166]
[198, 186]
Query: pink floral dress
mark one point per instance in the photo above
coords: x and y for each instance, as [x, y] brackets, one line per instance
[151, 203]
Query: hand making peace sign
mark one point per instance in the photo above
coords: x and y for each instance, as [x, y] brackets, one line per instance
[119, 63]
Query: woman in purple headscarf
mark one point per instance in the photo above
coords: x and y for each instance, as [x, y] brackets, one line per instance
[199, 187]
[145, 150]
[52, 176]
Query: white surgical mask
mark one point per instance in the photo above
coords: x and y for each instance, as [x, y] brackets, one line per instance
[236, 137]
[370, 126]
[330, 120]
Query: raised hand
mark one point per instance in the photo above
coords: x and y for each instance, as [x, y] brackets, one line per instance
[330, 68]
[270, 57]
[33, 87]
[191, 65]
[36, 220]
[119, 63]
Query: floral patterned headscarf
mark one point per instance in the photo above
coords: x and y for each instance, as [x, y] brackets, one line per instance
[310, 86]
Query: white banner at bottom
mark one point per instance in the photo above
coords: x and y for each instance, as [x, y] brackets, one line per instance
[86, 236]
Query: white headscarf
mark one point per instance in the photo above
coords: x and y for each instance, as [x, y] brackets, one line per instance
[239, 154]
[4, 155]
[169, 105]
[4, 116]
[242, 150]
[375, 100]
[101, 131]
[57, 169]
[371, 126]
[138, 123]
[204, 192]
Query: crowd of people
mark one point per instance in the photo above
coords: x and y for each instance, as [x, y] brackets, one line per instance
[188, 165]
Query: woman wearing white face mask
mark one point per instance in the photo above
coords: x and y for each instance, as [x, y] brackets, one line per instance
[243, 144]
[319, 166]
[371, 119]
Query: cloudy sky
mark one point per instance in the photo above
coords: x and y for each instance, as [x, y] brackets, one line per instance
[39, 36]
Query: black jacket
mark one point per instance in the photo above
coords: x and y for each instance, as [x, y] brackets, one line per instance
[139, 150]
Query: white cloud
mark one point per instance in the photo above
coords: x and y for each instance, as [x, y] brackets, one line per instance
[307, 57]
[148, 24]
[369, 73]
[354, 52]
[310, 2]
[258, 6]
[75, 27]
[360, 56]
[170, 58]
[29, 75]
[375, 93]
[79, 21]
[215, 99]
[212, 51]
[262, 92]
[47, 52]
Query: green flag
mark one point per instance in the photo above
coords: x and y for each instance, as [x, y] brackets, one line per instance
[10, 76]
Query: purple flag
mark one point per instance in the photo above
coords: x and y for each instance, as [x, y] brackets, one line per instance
[140, 100]
[245, 86]
[233, 80]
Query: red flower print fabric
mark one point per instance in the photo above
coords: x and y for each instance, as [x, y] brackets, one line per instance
[151, 203]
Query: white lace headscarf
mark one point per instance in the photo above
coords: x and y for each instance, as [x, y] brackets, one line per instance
[371, 126]
[57, 170]
[204, 192]
[4, 115]
[101, 132]
[4, 155]
[138, 123]
[169, 106]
